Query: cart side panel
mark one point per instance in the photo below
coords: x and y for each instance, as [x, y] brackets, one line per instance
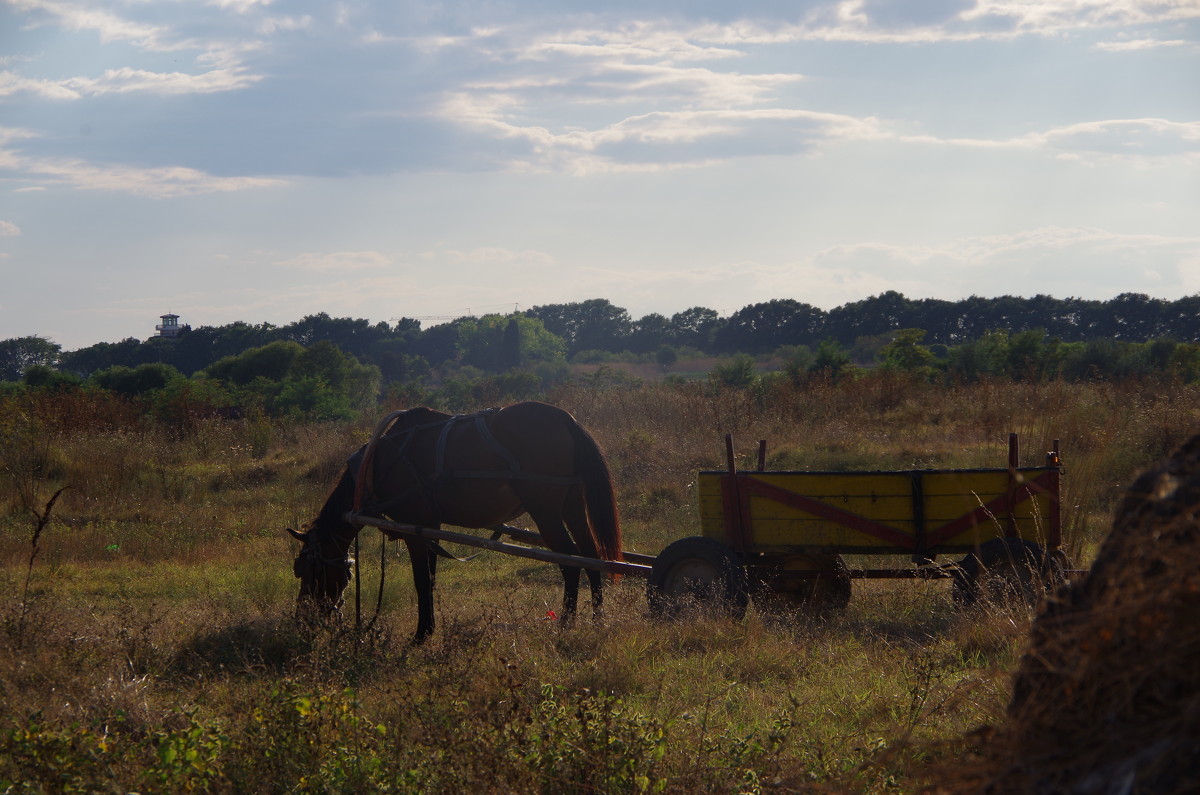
[854, 510]
[879, 511]
[981, 508]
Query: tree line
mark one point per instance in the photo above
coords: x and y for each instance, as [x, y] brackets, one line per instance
[332, 366]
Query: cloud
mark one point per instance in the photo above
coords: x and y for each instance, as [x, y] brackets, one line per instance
[334, 262]
[1124, 137]
[659, 140]
[156, 183]
[9, 229]
[159, 183]
[1048, 17]
[79, 16]
[1081, 261]
[488, 256]
[1095, 141]
[481, 86]
[1134, 45]
[126, 80]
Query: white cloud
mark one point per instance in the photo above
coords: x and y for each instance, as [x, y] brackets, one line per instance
[156, 183]
[488, 256]
[240, 6]
[1052, 16]
[1124, 138]
[1090, 142]
[126, 80]
[9, 229]
[339, 261]
[110, 27]
[1061, 261]
[1134, 45]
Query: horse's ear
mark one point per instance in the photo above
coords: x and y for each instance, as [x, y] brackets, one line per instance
[297, 534]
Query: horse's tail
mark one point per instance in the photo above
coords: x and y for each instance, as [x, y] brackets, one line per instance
[599, 494]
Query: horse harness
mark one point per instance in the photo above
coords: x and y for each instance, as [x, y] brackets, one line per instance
[426, 486]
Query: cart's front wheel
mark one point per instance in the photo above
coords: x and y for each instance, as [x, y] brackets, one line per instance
[1005, 571]
[701, 574]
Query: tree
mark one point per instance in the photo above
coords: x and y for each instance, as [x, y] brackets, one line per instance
[42, 376]
[586, 325]
[694, 327]
[20, 353]
[132, 381]
[649, 333]
[878, 314]
[905, 353]
[272, 361]
[760, 328]
[831, 360]
[737, 372]
[194, 349]
[497, 343]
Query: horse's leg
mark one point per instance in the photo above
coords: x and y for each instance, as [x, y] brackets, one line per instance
[554, 533]
[424, 568]
[575, 515]
[570, 593]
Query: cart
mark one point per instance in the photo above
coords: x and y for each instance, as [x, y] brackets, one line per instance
[781, 537]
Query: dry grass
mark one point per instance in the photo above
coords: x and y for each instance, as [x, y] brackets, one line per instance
[1107, 697]
[155, 651]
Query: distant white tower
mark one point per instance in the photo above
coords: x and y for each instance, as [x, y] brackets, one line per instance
[169, 326]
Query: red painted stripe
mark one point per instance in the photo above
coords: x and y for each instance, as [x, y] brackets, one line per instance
[822, 510]
[731, 506]
[997, 508]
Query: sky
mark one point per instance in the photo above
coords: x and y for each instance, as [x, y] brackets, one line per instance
[259, 161]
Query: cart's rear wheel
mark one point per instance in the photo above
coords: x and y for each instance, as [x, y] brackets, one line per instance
[791, 584]
[701, 574]
[1004, 572]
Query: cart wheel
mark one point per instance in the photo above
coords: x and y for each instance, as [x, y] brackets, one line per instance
[1005, 571]
[698, 573]
[778, 589]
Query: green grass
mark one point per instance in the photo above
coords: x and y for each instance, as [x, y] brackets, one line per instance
[156, 651]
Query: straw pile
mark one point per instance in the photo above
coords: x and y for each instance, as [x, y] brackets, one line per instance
[1107, 697]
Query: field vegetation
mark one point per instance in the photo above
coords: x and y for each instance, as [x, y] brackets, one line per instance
[147, 641]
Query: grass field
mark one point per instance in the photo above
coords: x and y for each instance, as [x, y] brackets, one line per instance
[149, 645]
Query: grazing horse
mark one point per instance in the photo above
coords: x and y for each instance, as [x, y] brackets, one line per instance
[426, 468]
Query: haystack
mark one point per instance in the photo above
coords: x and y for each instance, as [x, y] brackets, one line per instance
[1106, 699]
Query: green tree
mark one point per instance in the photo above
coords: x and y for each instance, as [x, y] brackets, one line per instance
[41, 376]
[20, 353]
[763, 327]
[493, 342]
[649, 333]
[694, 328]
[272, 361]
[595, 324]
[831, 361]
[906, 354]
[737, 372]
[132, 381]
[85, 361]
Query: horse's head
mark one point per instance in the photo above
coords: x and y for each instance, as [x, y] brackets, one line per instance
[323, 576]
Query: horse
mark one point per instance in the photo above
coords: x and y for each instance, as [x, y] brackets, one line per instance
[426, 468]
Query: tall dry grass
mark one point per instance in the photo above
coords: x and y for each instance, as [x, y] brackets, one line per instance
[155, 650]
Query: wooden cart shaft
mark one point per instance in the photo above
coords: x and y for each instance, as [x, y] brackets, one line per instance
[634, 565]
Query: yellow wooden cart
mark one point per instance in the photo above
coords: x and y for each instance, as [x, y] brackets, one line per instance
[782, 537]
